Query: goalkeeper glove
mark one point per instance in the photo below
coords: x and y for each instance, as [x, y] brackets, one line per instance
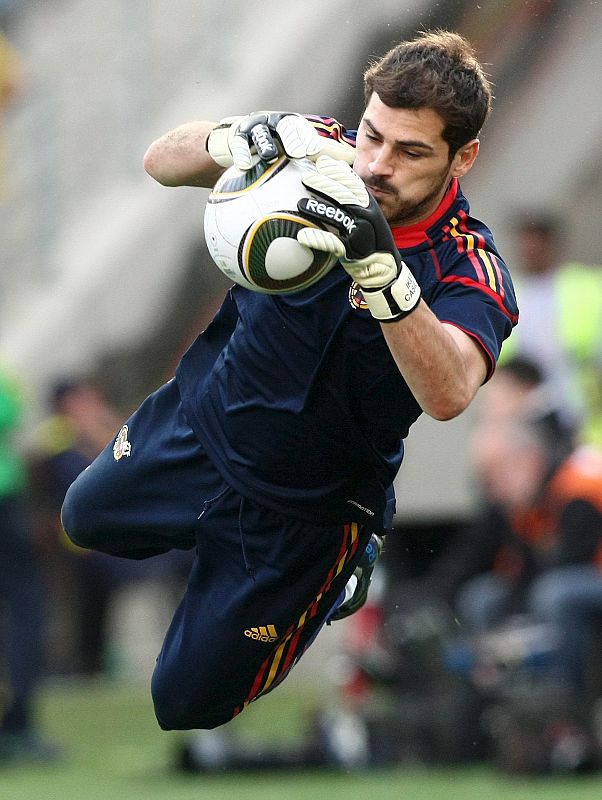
[356, 590]
[263, 136]
[364, 243]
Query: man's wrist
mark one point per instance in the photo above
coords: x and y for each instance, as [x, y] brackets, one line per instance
[219, 141]
[396, 300]
[218, 145]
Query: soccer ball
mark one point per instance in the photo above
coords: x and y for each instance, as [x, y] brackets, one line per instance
[251, 223]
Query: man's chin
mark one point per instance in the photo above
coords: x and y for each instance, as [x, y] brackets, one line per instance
[388, 209]
[386, 201]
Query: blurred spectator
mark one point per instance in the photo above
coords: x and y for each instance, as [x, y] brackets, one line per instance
[10, 71]
[517, 388]
[81, 423]
[549, 562]
[561, 322]
[532, 624]
[502, 563]
[22, 600]
[83, 583]
[10, 80]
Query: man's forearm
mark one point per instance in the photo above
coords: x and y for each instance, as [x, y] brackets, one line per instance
[180, 157]
[441, 364]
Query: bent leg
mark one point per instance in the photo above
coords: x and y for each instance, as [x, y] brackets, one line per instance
[143, 494]
[260, 589]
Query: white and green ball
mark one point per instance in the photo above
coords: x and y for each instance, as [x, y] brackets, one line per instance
[251, 224]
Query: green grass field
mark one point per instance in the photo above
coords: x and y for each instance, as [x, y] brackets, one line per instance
[115, 751]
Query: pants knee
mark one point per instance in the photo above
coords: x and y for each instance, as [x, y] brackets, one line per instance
[176, 710]
[75, 518]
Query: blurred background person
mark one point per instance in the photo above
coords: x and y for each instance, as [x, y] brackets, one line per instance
[548, 562]
[83, 584]
[561, 320]
[10, 71]
[531, 617]
[79, 425]
[22, 596]
[502, 561]
[10, 81]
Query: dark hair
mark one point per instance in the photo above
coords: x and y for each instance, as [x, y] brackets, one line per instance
[544, 223]
[67, 387]
[439, 70]
[524, 370]
[544, 419]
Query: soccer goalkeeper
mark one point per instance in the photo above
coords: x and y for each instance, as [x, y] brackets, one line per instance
[274, 449]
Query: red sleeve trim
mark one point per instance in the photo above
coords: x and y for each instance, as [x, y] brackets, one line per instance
[483, 287]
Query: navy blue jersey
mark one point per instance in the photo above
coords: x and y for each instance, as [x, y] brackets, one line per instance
[297, 399]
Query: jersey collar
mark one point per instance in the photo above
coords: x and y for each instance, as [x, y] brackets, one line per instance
[413, 235]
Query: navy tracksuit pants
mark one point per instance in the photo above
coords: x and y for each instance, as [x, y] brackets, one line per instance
[261, 585]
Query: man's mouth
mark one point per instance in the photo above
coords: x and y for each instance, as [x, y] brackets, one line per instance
[377, 191]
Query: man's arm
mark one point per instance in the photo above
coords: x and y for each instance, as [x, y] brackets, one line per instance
[180, 157]
[442, 365]
[196, 153]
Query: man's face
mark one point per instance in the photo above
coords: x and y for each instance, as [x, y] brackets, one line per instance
[404, 161]
[536, 252]
[510, 470]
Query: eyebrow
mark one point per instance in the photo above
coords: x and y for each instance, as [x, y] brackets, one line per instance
[401, 142]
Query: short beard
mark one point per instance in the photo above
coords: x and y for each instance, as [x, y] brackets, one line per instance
[407, 212]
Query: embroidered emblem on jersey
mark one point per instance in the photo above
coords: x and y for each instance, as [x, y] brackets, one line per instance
[264, 633]
[122, 447]
[356, 298]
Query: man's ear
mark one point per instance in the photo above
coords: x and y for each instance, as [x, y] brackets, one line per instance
[465, 158]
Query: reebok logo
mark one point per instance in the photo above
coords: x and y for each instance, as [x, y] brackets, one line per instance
[264, 633]
[329, 212]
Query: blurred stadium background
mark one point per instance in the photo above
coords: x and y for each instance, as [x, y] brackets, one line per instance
[105, 273]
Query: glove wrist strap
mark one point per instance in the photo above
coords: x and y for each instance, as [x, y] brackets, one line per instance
[396, 300]
[218, 145]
